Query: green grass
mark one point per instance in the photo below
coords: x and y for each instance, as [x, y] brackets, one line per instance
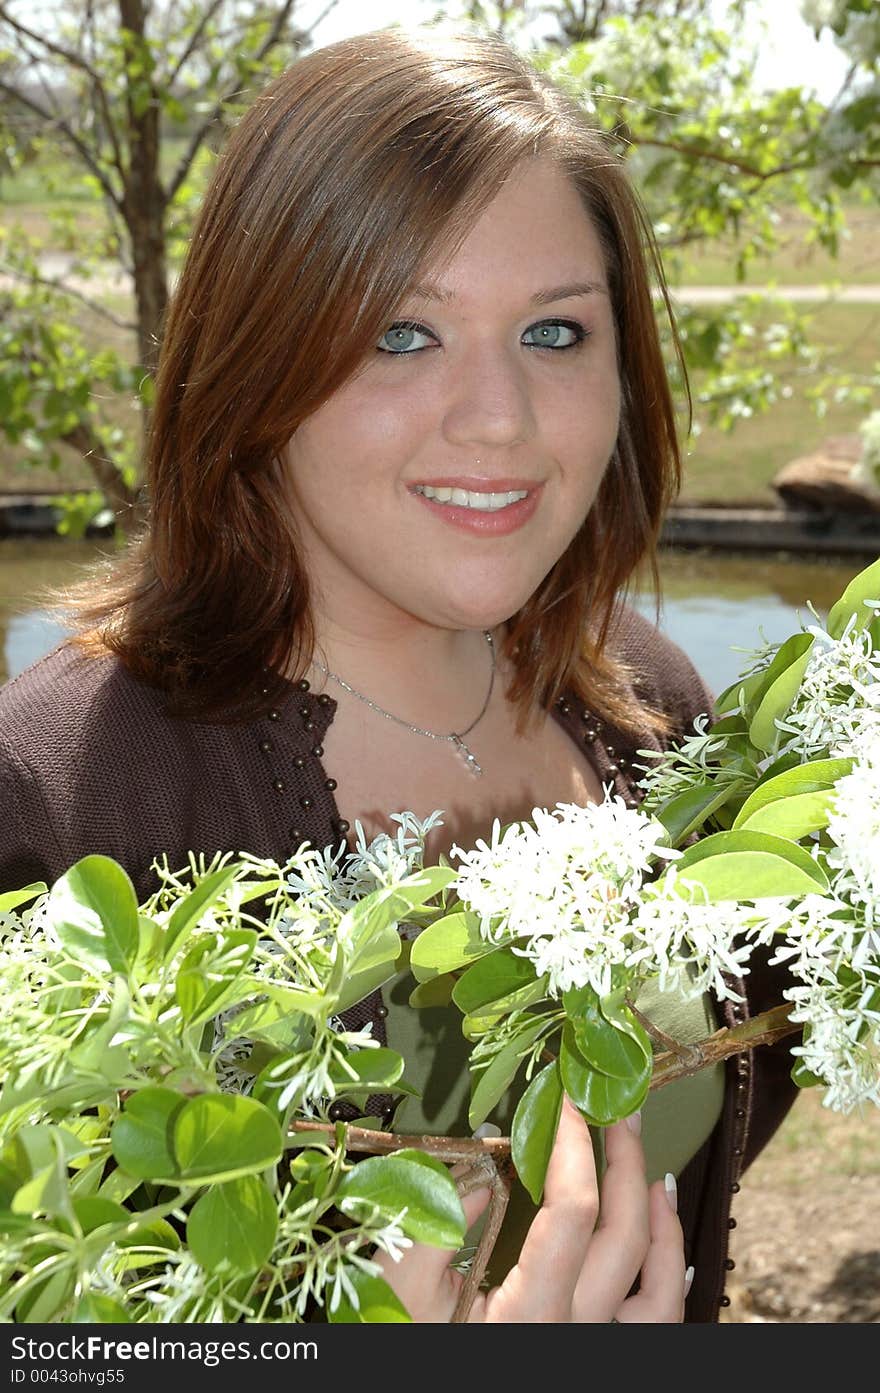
[738, 466]
[796, 262]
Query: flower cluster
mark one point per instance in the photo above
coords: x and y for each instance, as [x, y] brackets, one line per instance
[576, 891]
[839, 698]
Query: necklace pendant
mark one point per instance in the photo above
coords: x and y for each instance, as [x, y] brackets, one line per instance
[467, 755]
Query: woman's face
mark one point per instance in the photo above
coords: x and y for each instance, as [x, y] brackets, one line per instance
[444, 480]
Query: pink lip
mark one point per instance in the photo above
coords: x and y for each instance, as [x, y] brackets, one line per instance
[485, 524]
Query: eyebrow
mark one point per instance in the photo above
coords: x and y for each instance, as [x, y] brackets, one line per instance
[542, 297]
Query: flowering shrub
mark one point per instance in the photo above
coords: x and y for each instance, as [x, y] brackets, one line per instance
[168, 1068]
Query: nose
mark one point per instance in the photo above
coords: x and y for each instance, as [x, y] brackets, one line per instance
[489, 401]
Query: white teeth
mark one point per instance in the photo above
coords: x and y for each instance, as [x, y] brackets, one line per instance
[462, 498]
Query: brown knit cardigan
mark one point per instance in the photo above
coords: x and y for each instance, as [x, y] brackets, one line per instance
[90, 763]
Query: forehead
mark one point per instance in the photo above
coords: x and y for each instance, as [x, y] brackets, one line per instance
[534, 232]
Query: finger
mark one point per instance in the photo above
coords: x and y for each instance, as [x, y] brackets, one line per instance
[662, 1289]
[623, 1234]
[422, 1278]
[542, 1284]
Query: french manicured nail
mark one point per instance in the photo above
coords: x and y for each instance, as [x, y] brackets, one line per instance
[488, 1129]
[671, 1191]
[634, 1123]
[688, 1280]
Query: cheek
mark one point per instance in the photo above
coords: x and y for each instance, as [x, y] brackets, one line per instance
[586, 433]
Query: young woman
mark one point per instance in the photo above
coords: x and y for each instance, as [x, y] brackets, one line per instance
[412, 437]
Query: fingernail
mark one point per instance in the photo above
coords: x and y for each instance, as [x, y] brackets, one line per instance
[671, 1191]
[688, 1280]
[634, 1123]
[488, 1129]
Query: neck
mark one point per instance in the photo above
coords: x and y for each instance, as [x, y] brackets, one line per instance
[434, 678]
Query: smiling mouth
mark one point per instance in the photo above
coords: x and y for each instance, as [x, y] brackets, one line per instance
[465, 498]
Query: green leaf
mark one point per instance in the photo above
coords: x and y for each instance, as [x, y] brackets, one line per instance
[449, 943]
[492, 1082]
[370, 926]
[688, 811]
[492, 980]
[780, 692]
[13, 898]
[436, 992]
[406, 1180]
[233, 1226]
[210, 973]
[44, 1302]
[189, 911]
[613, 1049]
[747, 865]
[616, 1010]
[94, 1211]
[287, 1001]
[729, 699]
[360, 984]
[94, 910]
[804, 1077]
[793, 817]
[600, 1098]
[372, 1069]
[377, 1303]
[865, 586]
[794, 802]
[96, 1309]
[141, 1139]
[533, 1130]
[219, 1136]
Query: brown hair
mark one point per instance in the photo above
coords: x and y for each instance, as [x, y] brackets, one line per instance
[347, 173]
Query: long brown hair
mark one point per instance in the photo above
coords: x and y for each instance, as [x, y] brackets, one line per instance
[351, 170]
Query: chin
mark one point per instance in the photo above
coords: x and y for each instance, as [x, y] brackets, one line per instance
[478, 614]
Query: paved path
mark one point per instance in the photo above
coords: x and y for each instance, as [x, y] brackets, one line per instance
[719, 294]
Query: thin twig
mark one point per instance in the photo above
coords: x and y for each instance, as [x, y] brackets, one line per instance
[94, 305]
[500, 1183]
[656, 1033]
[765, 1029]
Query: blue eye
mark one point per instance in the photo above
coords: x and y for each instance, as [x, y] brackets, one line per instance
[404, 337]
[554, 333]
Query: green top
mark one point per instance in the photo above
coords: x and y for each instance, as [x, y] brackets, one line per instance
[676, 1119]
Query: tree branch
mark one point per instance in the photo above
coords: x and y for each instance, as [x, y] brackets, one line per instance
[75, 60]
[765, 1029]
[194, 41]
[55, 119]
[198, 137]
[123, 500]
[94, 305]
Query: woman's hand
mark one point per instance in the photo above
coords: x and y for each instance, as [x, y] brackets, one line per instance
[578, 1260]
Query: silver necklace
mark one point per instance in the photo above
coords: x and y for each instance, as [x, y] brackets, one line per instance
[455, 737]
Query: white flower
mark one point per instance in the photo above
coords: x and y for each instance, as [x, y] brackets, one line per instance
[681, 766]
[690, 944]
[563, 887]
[854, 826]
[839, 696]
[842, 1045]
[866, 470]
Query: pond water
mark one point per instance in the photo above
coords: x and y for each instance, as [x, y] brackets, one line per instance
[713, 603]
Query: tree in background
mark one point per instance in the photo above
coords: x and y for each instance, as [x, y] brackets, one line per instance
[138, 94]
[577, 21]
[135, 94]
